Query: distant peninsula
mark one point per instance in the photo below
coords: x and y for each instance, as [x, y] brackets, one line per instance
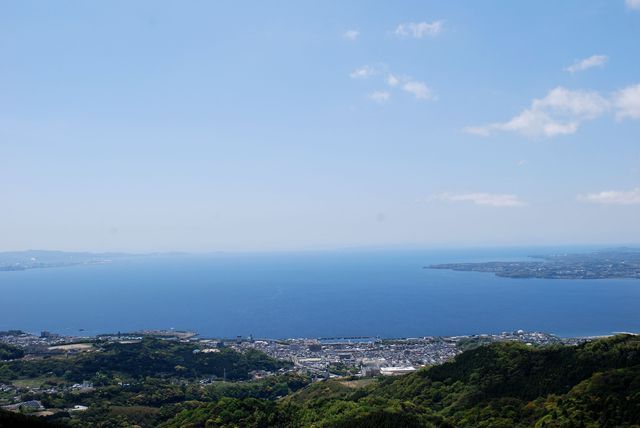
[39, 259]
[607, 264]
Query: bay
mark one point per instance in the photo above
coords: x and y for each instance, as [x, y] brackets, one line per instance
[384, 293]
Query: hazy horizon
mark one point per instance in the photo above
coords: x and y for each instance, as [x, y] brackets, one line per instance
[588, 247]
[156, 126]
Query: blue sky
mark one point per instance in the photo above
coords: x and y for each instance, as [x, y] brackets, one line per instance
[203, 126]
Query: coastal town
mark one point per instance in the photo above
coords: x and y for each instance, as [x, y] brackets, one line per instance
[605, 264]
[315, 358]
[368, 356]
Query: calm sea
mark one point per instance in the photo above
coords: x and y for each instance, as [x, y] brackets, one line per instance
[323, 294]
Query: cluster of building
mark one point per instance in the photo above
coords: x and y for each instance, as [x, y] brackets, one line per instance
[35, 408]
[367, 356]
[615, 263]
[325, 357]
[46, 343]
[320, 358]
[32, 405]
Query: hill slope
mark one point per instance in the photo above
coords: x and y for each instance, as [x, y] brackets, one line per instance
[500, 385]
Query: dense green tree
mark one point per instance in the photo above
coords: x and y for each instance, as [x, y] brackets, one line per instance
[595, 384]
[9, 352]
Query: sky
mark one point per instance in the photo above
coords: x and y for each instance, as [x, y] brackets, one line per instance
[258, 126]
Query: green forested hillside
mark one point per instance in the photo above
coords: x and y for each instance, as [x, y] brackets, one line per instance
[156, 383]
[8, 352]
[596, 384]
[16, 420]
[149, 357]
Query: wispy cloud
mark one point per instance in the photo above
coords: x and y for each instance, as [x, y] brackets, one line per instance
[351, 34]
[613, 197]
[392, 80]
[633, 4]
[587, 63]
[418, 89]
[487, 199]
[419, 30]
[627, 102]
[560, 112]
[363, 72]
[380, 97]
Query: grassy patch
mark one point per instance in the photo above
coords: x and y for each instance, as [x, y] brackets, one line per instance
[358, 383]
[38, 382]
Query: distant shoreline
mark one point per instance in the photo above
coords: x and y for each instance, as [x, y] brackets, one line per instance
[621, 263]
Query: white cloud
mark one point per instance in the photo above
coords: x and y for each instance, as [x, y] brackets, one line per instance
[613, 197]
[407, 84]
[583, 104]
[351, 34]
[392, 80]
[633, 4]
[584, 64]
[487, 199]
[560, 112]
[418, 90]
[363, 72]
[627, 102]
[419, 30]
[380, 97]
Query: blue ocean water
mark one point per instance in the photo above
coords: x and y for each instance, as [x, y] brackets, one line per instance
[313, 294]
